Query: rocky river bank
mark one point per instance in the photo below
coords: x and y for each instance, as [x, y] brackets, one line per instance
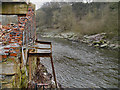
[97, 40]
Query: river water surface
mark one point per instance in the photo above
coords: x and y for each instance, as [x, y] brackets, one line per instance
[80, 66]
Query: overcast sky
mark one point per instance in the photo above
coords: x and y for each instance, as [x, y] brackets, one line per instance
[39, 3]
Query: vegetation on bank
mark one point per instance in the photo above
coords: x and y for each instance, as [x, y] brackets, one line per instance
[80, 18]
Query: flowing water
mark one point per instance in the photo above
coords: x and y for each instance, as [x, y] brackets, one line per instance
[80, 66]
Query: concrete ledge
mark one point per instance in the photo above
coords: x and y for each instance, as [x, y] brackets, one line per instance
[13, 8]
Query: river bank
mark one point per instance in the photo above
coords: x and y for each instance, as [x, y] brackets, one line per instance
[97, 40]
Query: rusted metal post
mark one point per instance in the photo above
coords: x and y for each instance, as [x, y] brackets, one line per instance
[38, 61]
[35, 28]
[21, 61]
[0, 58]
[53, 70]
[29, 68]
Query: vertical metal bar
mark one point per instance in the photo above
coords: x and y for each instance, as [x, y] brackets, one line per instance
[53, 70]
[24, 61]
[21, 61]
[38, 61]
[23, 38]
[43, 87]
[29, 69]
[35, 86]
[31, 30]
[35, 27]
[27, 35]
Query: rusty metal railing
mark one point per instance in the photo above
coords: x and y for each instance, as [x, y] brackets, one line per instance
[44, 54]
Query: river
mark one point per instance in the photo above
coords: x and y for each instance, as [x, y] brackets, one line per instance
[79, 66]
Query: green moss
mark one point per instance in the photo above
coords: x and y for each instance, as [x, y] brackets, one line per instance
[23, 70]
[24, 81]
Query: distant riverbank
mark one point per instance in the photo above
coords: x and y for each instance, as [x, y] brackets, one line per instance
[98, 40]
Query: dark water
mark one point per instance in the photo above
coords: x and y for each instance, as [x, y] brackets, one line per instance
[80, 66]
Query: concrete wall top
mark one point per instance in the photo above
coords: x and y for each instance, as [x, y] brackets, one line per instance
[15, 1]
[15, 7]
